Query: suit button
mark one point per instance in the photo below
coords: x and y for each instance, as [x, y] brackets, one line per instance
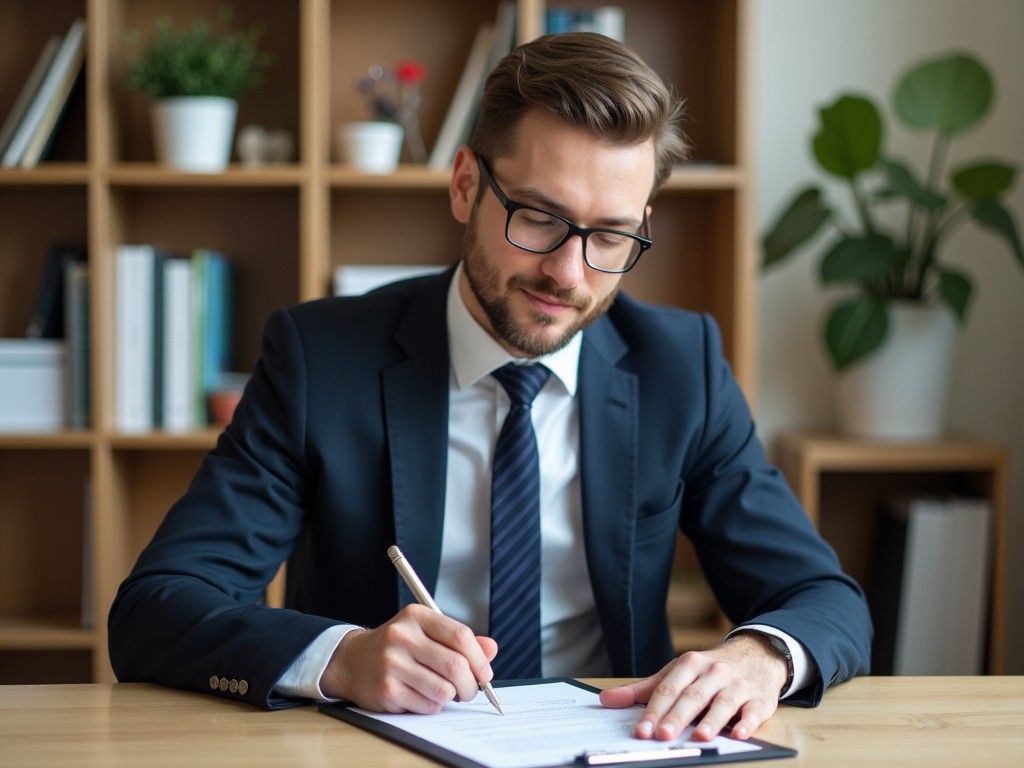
[223, 684]
[233, 686]
[243, 687]
[214, 682]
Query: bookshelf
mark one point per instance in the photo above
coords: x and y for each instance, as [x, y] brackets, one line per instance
[841, 483]
[78, 505]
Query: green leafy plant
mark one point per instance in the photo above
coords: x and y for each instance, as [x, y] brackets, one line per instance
[198, 60]
[944, 96]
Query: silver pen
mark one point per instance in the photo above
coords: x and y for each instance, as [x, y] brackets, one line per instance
[423, 598]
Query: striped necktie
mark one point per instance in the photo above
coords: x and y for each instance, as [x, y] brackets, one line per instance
[515, 530]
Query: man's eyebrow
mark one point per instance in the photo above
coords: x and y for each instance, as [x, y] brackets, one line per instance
[534, 197]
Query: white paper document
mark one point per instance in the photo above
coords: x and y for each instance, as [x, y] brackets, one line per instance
[545, 724]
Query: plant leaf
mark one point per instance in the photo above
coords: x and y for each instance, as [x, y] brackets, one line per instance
[983, 180]
[903, 182]
[994, 216]
[855, 329]
[797, 224]
[955, 289]
[861, 259]
[849, 138]
[946, 94]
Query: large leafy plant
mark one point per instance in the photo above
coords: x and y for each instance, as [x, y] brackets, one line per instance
[199, 60]
[944, 96]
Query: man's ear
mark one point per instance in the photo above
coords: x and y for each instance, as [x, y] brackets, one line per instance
[463, 185]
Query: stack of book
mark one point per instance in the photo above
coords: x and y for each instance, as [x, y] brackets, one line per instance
[173, 336]
[29, 127]
[929, 590]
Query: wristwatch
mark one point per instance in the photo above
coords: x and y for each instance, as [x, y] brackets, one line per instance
[779, 646]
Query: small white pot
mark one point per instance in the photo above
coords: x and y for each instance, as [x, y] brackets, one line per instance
[194, 133]
[373, 147]
[901, 391]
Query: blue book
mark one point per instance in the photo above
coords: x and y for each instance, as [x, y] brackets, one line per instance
[214, 328]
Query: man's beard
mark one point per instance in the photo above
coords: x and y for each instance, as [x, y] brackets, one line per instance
[484, 281]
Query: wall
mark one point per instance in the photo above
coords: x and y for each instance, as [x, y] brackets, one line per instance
[806, 52]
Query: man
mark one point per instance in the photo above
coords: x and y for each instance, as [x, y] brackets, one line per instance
[374, 420]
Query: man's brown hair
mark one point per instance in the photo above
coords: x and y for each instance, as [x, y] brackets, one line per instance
[589, 81]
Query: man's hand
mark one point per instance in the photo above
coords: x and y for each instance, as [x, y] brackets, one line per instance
[743, 677]
[416, 662]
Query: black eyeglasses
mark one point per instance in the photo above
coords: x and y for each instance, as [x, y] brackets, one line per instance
[538, 231]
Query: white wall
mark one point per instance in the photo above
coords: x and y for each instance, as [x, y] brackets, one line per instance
[806, 52]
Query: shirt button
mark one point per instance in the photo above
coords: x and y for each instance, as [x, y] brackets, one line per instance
[243, 687]
[233, 686]
[214, 682]
[223, 684]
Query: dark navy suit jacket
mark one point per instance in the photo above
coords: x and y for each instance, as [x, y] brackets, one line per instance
[338, 450]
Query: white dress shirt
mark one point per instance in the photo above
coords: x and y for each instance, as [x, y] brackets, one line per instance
[571, 639]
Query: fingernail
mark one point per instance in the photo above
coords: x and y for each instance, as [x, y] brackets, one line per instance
[667, 731]
[704, 731]
[644, 729]
[740, 732]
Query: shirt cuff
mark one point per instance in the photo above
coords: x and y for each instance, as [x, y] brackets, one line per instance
[302, 679]
[804, 668]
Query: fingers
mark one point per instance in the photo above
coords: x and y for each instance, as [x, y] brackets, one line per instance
[706, 689]
[416, 662]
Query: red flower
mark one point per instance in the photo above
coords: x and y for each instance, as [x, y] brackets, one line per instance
[409, 72]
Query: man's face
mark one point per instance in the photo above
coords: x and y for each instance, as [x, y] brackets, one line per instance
[534, 303]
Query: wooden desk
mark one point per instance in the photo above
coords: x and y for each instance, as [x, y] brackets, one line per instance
[869, 721]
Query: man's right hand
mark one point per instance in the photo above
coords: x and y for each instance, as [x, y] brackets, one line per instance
[418, 661]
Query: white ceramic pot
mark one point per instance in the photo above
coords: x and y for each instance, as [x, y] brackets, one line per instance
[194, 133]
[373, 147]
[901, 391]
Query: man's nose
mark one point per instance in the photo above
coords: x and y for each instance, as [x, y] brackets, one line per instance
[565, 264]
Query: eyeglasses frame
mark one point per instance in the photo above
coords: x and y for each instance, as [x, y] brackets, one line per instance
[511, 206]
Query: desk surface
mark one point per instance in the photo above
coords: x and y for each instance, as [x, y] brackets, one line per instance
[883, 721]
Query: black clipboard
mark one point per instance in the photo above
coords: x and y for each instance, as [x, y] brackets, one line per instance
[347, 713]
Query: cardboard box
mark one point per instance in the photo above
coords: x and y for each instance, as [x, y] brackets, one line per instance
[31, 385]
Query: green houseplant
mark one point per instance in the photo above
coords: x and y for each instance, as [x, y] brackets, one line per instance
[194, 77]
[886, 263]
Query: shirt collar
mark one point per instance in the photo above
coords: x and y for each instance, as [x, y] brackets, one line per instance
[475, 353]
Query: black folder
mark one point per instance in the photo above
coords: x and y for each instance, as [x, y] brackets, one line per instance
[448, 756]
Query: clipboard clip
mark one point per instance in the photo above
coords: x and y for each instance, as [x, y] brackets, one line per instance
[666, 754]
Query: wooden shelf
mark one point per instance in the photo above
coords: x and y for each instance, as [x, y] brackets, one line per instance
[842, 482]
[42, 633]
[287, 228]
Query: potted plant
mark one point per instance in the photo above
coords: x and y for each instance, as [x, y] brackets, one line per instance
[194, 77]
[889, 257]
[394, 102]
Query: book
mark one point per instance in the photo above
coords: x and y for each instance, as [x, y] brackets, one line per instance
[929, 587]
[462, 110]
[213, 307]
[179, 337]
[67, 57]
[356, 279]
[47, 321]
[494, 40]
[135, 306]
[42, 138]
[77, 344]
[28, 91]
[607, 20]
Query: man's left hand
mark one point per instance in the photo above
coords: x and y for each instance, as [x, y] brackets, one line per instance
[740, 678]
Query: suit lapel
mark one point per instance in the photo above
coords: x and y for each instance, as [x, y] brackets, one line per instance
[415, 393]
[608, 446]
